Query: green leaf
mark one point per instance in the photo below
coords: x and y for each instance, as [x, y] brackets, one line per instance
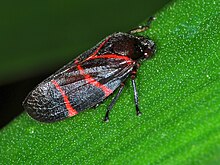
[179, 91]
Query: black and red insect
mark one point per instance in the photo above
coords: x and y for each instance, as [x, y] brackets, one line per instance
[91, 77]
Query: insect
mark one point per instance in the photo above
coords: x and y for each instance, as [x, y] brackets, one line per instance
[90, 78]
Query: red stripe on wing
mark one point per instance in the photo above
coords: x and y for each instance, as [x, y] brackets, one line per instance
[114, 56]
[93, 82]
[100, 46]
[70, 109]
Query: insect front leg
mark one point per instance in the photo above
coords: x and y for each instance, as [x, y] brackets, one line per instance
[143, 28]
[106, 119]
[133, 76]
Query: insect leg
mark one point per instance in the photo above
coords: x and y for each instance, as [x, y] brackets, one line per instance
[133, 76]
[106, 119]
[143, 28]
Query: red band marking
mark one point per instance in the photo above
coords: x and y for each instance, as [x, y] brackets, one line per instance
[127, 59]
[70, 109]
[92, 81]
[100, 46]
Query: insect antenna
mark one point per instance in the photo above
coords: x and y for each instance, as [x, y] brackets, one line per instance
[143, 28]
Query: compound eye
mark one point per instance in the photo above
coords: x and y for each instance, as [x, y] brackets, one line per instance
[149, 51]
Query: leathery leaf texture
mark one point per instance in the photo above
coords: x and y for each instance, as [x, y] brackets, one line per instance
[179, 95]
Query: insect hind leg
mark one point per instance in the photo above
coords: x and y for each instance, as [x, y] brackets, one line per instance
[106, 118]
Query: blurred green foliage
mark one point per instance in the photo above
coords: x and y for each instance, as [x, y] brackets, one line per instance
[179, 96]
[38, 36]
